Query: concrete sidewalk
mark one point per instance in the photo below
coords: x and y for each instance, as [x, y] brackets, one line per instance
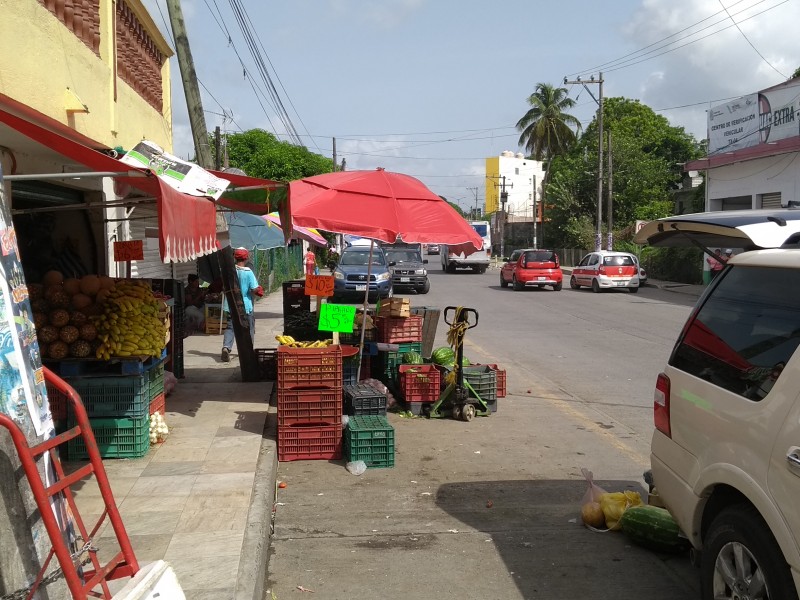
[202, 500]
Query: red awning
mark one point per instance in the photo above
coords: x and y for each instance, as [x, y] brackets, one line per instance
[187, 224]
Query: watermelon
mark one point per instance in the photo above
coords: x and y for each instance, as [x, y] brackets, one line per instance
[443, 356]
[412, 358]
[654, 528]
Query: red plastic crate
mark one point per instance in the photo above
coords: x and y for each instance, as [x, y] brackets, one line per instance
[501, 380]
[420, 383]
[158, 405]
[393, 330]
[309, 367]
[318, 405]
[312, 441]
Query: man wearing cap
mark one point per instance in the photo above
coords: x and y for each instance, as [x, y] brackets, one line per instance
[249, 287]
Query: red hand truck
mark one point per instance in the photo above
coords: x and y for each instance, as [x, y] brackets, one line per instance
[81, 583]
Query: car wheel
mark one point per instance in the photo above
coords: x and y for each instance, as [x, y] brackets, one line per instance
[503, 282]
[425, 288]
[741, 559]
[516, 284]
[633, 290]
[557, 287]
[451, 268]
[595, 286]
[573, 283]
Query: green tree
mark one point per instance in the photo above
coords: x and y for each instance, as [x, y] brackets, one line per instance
[260, 154]
[796, 73]
[647, 157]
[547, 126]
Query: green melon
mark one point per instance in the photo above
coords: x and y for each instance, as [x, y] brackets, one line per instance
[654, 528]
[443, 356]
[412, 358]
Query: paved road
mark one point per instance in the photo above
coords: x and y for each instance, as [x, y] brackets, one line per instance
[489, 509]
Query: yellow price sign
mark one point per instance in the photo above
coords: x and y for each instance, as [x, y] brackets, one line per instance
[336, 317]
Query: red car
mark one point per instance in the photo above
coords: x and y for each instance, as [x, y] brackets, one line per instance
[532, 267]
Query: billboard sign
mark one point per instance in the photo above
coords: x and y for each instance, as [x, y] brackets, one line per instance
[760, 118]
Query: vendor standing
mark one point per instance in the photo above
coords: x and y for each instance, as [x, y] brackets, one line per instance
[194, 299]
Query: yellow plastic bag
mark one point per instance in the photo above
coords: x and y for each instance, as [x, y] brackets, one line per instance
[614, 504]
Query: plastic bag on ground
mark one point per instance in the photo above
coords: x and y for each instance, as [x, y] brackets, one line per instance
[616, 503]
[357, 467]
[170, 381]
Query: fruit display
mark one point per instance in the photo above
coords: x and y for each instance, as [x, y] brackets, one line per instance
[130, 324]
[96, 316]
[287, 340]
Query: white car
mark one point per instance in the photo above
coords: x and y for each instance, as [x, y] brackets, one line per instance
[725, 454]
[606, 270]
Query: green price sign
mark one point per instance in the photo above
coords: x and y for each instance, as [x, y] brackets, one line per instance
[336, 317]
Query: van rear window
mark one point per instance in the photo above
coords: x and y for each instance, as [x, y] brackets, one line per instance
[540, 256]
[618, 261]
[745, 332]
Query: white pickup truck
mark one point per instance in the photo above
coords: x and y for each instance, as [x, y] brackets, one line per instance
[453, 258]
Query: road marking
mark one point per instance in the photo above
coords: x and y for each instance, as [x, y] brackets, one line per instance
[643, 460]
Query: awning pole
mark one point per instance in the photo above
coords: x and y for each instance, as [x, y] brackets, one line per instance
[77, 175]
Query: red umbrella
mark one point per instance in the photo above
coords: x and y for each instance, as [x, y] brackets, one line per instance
[379, 205]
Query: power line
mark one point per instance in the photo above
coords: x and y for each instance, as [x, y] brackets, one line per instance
[751, 43]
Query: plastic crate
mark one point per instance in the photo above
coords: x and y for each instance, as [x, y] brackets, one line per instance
[116, 438]
[370, 335]
[158, 404]
[419, 383]
[156, 381]
[502, 390]
[483, 380]
[387, 362]
[309, 367]
[320, 405]
[369, 438]
[267, 363]
[312, 441]
[123, 396]
[294, 297]
[363, 399]
[350, 370]
[393, 330]
[366, 367]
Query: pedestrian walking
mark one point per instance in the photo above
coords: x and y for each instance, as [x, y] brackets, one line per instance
[249, 286]
[716, 263]
[311, 263]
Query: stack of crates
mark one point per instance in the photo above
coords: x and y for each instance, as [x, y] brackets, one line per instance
[363, 399]
[369, 438]
[387, 362]
[396, 325]
[309, 403]
[419, 384]
[119, 409]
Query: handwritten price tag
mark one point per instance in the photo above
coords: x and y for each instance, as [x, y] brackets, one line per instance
[336, 317]
[319, 285]
[132, 250]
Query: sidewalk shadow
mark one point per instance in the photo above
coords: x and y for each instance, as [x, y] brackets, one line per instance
[536, 529]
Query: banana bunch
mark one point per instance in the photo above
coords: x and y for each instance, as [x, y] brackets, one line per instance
[287, 340]
[129, 324]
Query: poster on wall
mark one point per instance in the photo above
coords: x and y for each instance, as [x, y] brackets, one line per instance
[23, 395]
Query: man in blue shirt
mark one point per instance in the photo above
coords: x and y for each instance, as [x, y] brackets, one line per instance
[249, 287]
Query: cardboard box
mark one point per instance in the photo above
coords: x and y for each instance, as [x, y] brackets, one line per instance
[395, 307]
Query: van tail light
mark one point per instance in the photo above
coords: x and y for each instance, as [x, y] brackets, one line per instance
[602, 270]
[661, 405]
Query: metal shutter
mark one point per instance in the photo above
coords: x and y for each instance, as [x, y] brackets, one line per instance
[771, 200]
[143, 218]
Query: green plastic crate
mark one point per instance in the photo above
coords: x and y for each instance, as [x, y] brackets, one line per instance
[389, 361]
[155, 381]
[115, 437]
[369, 438]
[118, 396]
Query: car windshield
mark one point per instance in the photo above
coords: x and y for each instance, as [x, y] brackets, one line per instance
[618, 261]
[361, 258]
[539, 256]
[399, 256]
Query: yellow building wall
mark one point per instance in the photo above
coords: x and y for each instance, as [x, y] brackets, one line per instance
[492, 191]
[42, 60]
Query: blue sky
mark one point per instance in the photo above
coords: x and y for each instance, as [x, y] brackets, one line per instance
[432, 87]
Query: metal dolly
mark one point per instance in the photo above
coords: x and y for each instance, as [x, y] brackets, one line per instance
[459, 398]
[82, 583]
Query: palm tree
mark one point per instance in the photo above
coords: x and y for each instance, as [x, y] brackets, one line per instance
[546, 127]
[546, 130]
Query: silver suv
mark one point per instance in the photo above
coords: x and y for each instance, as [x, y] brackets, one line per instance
[725, 454]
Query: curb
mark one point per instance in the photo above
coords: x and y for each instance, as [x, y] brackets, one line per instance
[252, 573]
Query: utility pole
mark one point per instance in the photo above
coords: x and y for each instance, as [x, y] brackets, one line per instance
[503, 200]
[534, 213]
[334, 155]
[609, 216]
[217, 142]
[193, 101]
[474, 211]
[598, 236]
